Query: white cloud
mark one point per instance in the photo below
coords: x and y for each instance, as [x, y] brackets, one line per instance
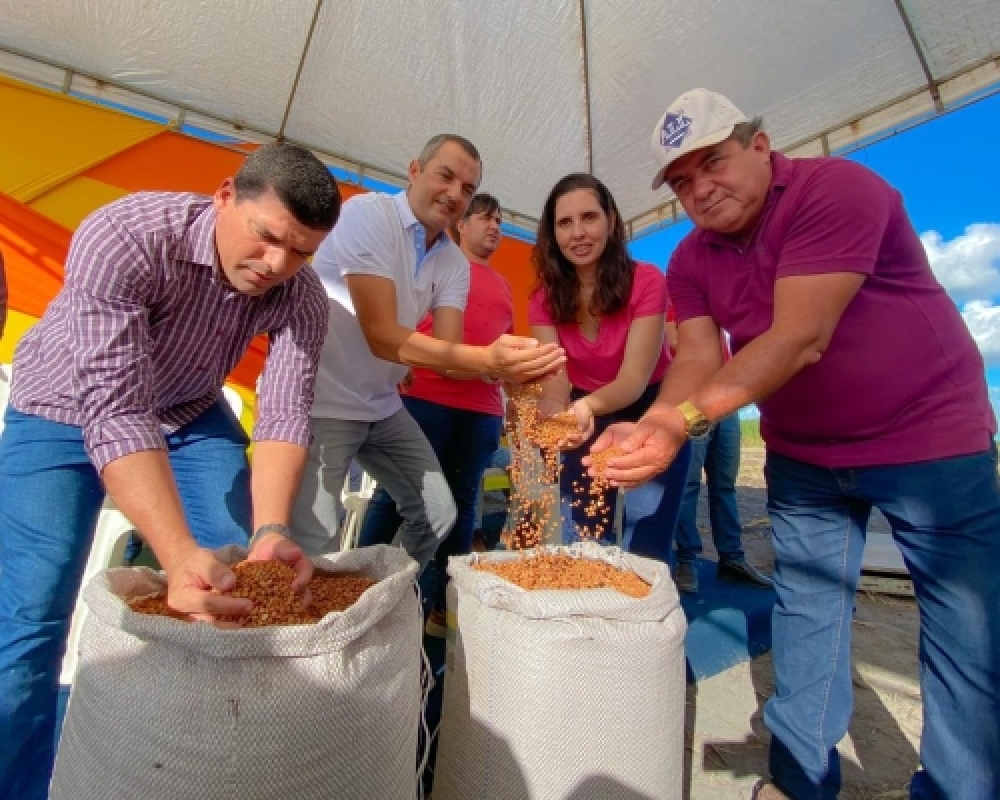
[983, 321]
[968, 266]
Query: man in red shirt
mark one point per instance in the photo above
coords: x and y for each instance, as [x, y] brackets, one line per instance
[872, 395]
[461, 418]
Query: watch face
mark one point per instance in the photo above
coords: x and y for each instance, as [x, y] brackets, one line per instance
[699, 428]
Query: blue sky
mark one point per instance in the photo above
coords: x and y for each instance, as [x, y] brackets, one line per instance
[948, 171]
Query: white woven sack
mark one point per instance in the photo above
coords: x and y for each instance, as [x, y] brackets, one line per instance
[167, 709]
[562, 694]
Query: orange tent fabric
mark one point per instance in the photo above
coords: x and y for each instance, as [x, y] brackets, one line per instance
[513, 260]
[110, 154]
[34, 249]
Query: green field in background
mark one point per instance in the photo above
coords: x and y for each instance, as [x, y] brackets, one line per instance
[750, 433]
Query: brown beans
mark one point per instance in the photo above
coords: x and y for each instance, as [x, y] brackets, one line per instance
[561, 571]
[157, 606]
[534, 470]
[268, 585]
[336, 592]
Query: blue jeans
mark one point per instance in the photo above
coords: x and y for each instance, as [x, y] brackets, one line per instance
[651, 510]
[464, 441]
[945, 518]
[719, 455]
[51, 497]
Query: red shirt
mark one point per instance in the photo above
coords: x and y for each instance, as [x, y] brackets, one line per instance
[902, 380]
[593, 364]
[489, 313]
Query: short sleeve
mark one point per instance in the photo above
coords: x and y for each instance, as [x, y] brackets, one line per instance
[687, 298]
[453, 289]
[538, 311]
[838, 222]
[361, 243]
[649, 292]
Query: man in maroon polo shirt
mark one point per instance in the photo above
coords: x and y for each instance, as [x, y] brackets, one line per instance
[872, 395]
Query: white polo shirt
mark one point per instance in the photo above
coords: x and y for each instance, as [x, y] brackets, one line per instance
[377, 234]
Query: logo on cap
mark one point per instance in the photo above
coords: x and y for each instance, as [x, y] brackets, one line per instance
[675, 129]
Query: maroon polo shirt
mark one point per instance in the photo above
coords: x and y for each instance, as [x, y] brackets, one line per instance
[902, 380]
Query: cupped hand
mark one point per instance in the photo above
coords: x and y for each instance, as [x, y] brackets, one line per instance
[194, 581]
[584, 414]
[519, 360]
[275, 547]
[649, 447]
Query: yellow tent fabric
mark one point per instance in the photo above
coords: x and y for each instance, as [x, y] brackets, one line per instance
[48, 138]
[70, 203]
[17, 325]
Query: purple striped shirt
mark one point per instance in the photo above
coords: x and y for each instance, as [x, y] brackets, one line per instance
[145, 329]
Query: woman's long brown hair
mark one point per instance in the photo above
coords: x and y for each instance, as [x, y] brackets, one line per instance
[557, 276]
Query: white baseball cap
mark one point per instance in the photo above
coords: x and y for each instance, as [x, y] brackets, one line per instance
[698, 118]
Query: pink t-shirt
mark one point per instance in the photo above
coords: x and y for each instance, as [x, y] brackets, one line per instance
[593, 364]
[489, 313]
[902, 380]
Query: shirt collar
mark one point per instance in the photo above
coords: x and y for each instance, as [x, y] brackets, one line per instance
[782, 168]
[419, 232]
[197, 244]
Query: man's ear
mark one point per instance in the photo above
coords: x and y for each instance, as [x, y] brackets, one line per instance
[225, 195]
[414, 170]
[761, 143]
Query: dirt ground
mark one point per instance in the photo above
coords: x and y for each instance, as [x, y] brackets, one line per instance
[726, 741]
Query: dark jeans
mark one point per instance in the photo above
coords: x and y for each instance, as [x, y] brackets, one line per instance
[651, 510]
[719, 455]
[50, 498]
[464, 441]
[945, 518]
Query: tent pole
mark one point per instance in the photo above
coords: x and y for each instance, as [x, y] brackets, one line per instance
[586, 87]
[932, 84]
[298, 71]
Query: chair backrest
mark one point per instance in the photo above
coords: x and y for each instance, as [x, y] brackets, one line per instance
[234, 400]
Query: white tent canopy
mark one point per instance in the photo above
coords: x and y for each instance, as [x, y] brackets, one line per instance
[543, 88]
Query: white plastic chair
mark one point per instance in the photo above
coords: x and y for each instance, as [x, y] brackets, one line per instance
[108, 550]
[234, 399]
[355, 505]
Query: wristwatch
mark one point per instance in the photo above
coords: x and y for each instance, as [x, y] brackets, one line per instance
[696, 424]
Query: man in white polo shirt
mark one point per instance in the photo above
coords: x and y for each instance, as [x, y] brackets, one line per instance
[385, 266]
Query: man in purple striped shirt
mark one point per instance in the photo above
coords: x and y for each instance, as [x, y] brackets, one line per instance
[118, 388]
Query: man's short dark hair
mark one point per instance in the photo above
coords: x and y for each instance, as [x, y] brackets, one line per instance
[435, 143]
[482, 203]
[299, 179]
[743, 132]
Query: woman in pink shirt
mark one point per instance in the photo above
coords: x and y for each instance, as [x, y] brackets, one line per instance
[607, 312]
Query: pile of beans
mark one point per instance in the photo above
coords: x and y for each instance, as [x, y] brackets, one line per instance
[536, 509]
[336, 591]
[268, 585]
[562, 571]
